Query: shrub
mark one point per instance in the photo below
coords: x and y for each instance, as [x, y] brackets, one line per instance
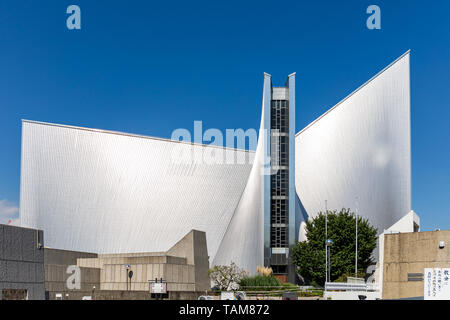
[265, 271]
[260, 282]
[226, 277]
[343, 277]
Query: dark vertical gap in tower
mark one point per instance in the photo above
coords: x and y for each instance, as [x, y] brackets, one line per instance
[279, 186]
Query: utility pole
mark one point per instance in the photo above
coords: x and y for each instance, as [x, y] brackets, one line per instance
[127, 267]
[356, 246]
[326, 245]
[329, 259]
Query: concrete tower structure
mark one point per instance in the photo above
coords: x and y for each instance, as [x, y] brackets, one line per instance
[263, 226]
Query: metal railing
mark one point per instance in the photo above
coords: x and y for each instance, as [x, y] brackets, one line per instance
[278, 290]
[345, 286]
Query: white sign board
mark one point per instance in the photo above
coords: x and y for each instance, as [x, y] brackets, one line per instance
[227, 295]
[436, 284]
[280, 250]
[158, 287]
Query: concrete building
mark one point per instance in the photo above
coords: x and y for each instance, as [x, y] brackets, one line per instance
[21, 263]
[409, 223]
[184, 267]
[406, 255]
[58, 270]
[28, 270]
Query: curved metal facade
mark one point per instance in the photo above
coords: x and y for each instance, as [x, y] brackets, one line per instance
[251, 238]
[358, 154]
[106, 192]
[246, 238]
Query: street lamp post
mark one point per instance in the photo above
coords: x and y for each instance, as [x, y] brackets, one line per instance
[328, 244]
[326, 248]
[130, 275]
[356, 240]
[356, 253]
[127, 266]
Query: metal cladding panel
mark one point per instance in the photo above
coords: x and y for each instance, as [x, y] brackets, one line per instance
[358, 154]
[105, 192]
[248, 234]
[265, 152]
[292, 196]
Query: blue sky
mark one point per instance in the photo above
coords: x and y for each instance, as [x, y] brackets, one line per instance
[149, 67]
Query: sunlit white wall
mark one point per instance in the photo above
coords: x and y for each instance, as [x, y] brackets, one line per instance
[358, 154]
[104, 192]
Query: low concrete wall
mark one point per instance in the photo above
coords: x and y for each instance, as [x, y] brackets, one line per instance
[351, 295]
[141, 295]
[409, 253]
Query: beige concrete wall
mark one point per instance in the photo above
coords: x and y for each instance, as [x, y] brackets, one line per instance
[184, 267]
[194, 248]
[411, 253]
[111, 259]
[56, 277]
[65, 257]
[179, 277]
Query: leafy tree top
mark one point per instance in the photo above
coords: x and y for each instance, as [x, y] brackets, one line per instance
[309, 256]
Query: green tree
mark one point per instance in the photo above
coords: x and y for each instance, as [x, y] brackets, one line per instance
[309, 256]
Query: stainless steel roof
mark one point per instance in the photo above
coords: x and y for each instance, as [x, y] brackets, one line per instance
[108, 192]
